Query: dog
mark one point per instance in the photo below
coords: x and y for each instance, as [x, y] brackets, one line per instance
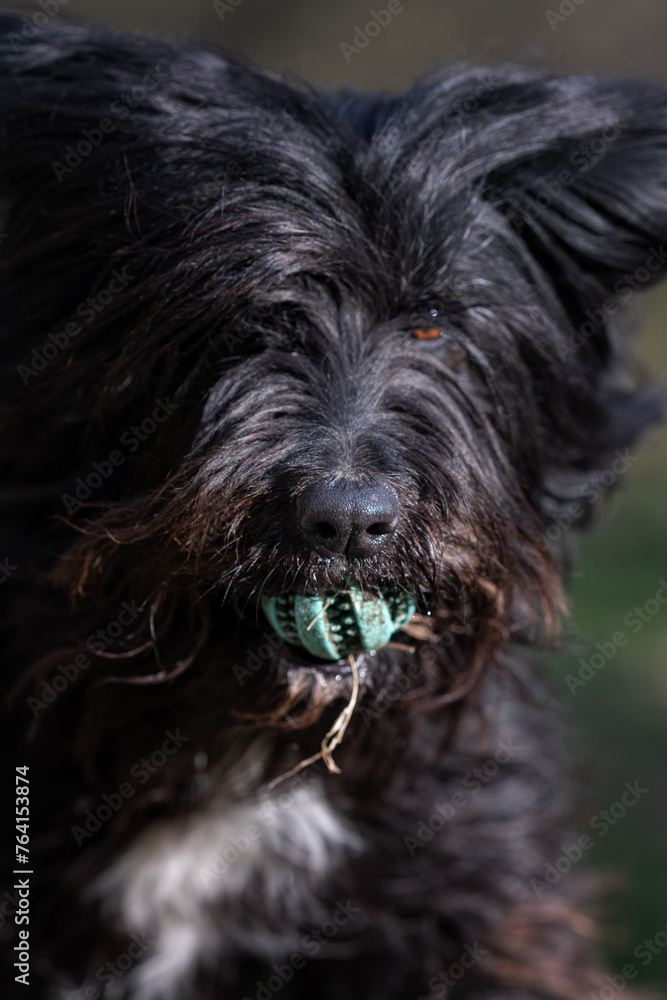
[296, 387]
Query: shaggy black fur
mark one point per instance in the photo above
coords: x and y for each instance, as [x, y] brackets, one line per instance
[211, 281]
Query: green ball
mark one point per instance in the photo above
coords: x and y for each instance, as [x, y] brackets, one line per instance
[331, 626]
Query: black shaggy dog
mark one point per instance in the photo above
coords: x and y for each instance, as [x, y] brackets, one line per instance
[264, 342]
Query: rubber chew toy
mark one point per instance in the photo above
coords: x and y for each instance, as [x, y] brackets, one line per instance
[337, 625]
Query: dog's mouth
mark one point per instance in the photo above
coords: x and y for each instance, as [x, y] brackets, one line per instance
[347, 622]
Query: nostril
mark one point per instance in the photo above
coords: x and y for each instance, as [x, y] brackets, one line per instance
[324, 530]
[379, 528]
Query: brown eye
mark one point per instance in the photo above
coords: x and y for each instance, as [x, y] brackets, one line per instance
[429, 334]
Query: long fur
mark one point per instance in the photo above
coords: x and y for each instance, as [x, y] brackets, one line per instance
[258, 255]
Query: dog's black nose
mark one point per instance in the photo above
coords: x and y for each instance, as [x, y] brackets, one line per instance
[348, 518]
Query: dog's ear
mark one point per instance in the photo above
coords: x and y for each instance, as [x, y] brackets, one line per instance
[584, 184]
[549, 197]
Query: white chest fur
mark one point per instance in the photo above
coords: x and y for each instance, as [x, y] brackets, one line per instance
[230, 879]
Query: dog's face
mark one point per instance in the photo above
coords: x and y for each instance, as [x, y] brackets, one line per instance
[380, 323]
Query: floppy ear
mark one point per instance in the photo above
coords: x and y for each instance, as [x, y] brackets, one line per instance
[586, 189]
[559, 185]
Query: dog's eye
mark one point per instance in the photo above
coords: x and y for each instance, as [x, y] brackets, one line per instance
[430, 333]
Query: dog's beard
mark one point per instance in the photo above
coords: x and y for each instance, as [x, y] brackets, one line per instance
[204, 566]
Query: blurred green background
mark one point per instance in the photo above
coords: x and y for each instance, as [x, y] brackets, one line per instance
[618, 718]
